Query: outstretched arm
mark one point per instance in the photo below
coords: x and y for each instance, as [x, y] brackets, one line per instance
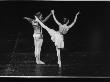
[47, 18]
[73, 21]
[55, 18]
[29, 19]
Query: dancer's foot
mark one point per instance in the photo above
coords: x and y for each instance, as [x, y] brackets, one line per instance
[59, 63]
[40, 62]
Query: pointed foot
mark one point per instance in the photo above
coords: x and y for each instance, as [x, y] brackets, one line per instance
[40, 62]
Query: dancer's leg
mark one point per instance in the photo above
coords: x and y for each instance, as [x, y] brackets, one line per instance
[38, 44]
[39, 47]
[58, 55]
[39, 51]
[36, 50]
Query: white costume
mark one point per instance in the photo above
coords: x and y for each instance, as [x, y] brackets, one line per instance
[57, 38]
[38, 40]
[63, 29]
[38, 37]
[38, 43]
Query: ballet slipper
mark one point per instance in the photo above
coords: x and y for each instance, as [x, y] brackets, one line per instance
[40, 62]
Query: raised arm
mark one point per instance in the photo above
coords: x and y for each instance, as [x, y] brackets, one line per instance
[47, 18]
[55, 18]
[73, 21]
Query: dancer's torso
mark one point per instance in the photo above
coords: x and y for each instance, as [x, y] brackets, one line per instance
[62, 28]
[38, 32]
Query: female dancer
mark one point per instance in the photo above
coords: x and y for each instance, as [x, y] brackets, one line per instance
[63, 29]
[38, 36]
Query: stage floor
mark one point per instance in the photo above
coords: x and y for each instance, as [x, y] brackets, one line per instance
[75, 65]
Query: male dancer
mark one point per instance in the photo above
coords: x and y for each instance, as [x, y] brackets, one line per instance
[38, 36]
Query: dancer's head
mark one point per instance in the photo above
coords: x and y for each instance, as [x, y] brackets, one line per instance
[39, 15]
[65, 21]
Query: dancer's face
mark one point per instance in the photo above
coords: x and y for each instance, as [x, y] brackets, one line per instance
[64, 20]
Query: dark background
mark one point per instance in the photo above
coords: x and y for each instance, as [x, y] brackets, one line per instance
[87, 43]
[91, 32]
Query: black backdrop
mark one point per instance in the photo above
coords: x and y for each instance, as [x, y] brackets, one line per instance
[90, 33]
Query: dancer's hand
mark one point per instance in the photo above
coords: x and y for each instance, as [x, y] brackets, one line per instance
[29, 19]
[26, 18]
[78, 13]
[52, 11]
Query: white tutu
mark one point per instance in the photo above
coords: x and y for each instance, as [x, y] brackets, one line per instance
[57, 38]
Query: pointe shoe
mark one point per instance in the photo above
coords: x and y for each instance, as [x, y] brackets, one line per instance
[40, 62]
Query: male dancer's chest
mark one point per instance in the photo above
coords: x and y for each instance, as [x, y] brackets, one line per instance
[38, 31]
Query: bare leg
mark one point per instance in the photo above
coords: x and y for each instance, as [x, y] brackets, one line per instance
[58, 55]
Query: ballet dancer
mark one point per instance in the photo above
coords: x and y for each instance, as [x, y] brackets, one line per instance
[38, 36]
[63, 29]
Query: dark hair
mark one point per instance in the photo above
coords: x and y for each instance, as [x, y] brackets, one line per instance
[38, 14]
[64, 20]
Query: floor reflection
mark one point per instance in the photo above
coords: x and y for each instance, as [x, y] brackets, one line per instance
[72, 65]
[39, 70]
[47, 70]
